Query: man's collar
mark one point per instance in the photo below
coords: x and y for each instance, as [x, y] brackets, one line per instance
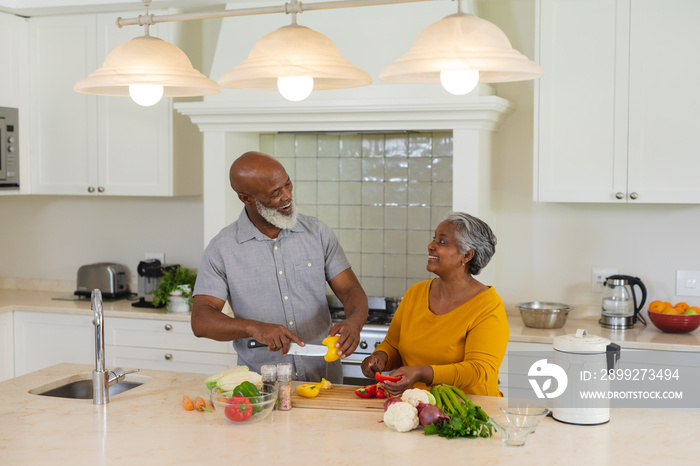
[247, 230]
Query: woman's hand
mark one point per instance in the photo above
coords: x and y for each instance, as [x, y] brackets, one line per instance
[410, 375]
[375, 362]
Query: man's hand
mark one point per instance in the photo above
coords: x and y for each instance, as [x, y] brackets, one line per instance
[275, 336]
[349, 337]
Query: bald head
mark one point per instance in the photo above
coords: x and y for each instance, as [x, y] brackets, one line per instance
[251, 170]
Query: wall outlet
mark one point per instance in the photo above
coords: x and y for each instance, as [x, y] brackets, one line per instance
[598, 277]
[687, 283]
[156, 255]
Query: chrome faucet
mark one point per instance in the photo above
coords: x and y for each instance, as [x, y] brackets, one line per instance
[102, 379]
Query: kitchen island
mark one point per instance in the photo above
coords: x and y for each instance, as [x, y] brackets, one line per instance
[148, 425]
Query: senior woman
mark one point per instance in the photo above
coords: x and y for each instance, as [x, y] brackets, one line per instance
[451, 329]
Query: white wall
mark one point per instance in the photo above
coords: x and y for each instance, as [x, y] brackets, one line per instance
[50, 237]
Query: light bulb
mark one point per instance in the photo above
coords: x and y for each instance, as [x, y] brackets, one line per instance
[459, 82]
[296, 88]
[146, 94]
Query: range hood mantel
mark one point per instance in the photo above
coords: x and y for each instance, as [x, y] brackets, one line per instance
[231, 128]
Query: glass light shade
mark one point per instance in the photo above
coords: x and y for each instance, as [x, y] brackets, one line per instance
[459, 82]
[147, 60]
[461, 42]
[146, 95]
[295, 88]
[294, 51]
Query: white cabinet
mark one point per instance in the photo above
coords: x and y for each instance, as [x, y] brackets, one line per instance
[164, 345]
[615, 117]
[13, 53]
[518, 358]
[95, 145]
[7, 362]
[42, 340]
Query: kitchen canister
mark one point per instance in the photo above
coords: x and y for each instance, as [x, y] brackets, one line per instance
[584, 358]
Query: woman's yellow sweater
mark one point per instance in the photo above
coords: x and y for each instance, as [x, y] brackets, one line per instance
[465, 347]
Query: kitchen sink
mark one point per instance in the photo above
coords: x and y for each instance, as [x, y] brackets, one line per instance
[82, 389]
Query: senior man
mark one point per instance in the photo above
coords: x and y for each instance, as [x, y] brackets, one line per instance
[272, 265]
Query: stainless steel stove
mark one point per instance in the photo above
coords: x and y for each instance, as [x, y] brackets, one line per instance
[381, 310]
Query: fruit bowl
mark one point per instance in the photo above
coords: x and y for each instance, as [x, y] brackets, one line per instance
[231, 410]
[675, 323]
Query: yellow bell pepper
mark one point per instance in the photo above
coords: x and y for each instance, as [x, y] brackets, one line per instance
[332, 354]
[326, 384]
[309, 390]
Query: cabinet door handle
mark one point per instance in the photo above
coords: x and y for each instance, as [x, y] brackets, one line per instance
[620, 195]
[168, 356]
[100, 189]
[91, 189]
[168, 327]
[634, 195]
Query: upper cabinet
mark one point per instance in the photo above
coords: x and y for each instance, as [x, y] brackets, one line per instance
[95, 145]
[616, 115]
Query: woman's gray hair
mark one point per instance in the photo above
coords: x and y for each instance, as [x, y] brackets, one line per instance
[473, 233]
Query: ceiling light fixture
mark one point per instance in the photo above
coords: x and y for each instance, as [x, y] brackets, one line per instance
[294, 60]
[146, 69]
[460, 51]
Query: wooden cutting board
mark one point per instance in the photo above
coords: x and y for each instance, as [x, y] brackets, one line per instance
[339, 397]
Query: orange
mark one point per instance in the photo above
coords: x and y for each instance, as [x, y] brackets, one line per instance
[682, 305]
[694, 308]
[671, 310]
[656, 306]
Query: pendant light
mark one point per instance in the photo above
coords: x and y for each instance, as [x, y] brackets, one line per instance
[294, 60]
[146, 69]
[460, 51]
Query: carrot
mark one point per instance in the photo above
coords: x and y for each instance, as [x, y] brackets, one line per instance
[201, 405]
[187, 403]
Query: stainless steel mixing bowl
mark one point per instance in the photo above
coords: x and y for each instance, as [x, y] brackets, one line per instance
[540, 314]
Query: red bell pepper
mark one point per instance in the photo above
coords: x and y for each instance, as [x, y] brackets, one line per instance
[366, 391]
[380, 392]
[239, 409]
[385, 378]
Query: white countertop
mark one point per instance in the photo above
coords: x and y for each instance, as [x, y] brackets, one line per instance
[148, 425]
[640, 337]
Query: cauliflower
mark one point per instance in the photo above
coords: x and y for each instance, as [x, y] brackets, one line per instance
[413, 396]
[401, 416]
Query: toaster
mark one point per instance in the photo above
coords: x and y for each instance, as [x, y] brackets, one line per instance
[109, 278]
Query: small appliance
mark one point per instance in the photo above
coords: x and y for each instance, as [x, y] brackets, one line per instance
[150, 273]
[584, 358]
[108, 277]
[9, 148]
[620, 306]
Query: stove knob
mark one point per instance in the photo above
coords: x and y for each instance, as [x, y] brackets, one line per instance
[377, 343]
[363, 344]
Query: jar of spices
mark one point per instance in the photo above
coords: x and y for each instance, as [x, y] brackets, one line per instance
[269, 375]
[284, 379]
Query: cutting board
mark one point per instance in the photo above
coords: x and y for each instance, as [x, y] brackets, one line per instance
[339, 397]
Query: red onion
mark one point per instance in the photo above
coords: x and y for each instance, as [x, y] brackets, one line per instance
[390, 401]
[430, 414]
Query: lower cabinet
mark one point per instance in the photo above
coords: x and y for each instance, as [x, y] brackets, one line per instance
[7, 351]
[43, 339]
[164, 345]
[31, 341]
[517, 362]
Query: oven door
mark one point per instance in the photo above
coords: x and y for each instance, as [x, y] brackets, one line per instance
[352, 373]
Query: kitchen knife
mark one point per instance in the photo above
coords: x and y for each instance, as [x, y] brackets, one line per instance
[307, 350]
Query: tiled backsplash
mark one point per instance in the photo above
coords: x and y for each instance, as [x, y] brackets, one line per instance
[383, 195]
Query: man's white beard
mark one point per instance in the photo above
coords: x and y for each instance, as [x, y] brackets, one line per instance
[277, 218]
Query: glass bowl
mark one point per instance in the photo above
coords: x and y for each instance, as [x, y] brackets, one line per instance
[525, 414]
[262, 406]
[514, 429]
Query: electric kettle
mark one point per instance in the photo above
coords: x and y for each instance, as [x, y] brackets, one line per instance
[620, 308]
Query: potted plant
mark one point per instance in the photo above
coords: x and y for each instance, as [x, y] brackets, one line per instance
[175, 289]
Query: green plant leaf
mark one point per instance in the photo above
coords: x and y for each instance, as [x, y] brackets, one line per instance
[171, 280]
